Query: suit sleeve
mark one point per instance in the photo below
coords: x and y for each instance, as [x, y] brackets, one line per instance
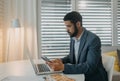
[93, 57]
[68, 58]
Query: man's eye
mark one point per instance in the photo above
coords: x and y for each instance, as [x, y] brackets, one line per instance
[69, 26]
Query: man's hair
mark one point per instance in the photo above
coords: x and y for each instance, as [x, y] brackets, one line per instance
[74, 17]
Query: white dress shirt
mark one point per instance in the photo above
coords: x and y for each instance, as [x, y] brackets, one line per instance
[76, 46]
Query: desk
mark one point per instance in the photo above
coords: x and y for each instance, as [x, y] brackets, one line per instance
[25, 69]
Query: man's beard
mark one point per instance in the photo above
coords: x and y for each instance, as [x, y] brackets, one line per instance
[75, 32]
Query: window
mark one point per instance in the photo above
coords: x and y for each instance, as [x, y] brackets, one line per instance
[54, 38]
[97, 17]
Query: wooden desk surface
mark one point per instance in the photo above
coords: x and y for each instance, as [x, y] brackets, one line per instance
[25, 69]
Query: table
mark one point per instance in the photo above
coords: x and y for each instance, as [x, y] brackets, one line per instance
[23, 70]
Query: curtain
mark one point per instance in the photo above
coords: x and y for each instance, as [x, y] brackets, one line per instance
[17, 40]
[1, 29]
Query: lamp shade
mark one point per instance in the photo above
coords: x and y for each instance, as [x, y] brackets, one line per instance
[15, 23]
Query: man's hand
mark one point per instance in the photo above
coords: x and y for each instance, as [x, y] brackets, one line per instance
[56, 65]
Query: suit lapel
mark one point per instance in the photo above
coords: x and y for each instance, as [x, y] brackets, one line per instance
[82, 43]
[72, 51]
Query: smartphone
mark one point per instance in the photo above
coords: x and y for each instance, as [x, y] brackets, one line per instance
[45, 58]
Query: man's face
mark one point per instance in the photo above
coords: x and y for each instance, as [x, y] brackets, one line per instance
[71, 28]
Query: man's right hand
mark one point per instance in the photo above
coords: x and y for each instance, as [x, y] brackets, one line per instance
[56, 65]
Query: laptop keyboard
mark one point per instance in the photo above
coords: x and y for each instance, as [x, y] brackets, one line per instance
[43, 68]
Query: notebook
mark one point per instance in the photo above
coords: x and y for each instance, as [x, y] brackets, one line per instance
[39, 68]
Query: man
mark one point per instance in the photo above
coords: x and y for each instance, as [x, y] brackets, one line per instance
[85, 51]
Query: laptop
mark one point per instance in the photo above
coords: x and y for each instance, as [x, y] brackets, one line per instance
[40, 68]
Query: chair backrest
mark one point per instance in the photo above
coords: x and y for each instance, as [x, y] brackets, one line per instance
[108, 63]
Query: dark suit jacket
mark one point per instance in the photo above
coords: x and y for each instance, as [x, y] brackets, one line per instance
[89, 60]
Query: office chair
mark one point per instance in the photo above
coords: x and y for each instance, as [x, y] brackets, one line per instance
[108, 63]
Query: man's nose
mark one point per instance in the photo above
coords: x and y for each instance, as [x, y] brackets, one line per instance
[68, 31]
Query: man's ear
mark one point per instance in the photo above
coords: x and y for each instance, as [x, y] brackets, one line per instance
[78, 24]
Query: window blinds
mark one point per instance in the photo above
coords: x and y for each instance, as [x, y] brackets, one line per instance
[118, 21]
[97, 18]
[54, 38]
